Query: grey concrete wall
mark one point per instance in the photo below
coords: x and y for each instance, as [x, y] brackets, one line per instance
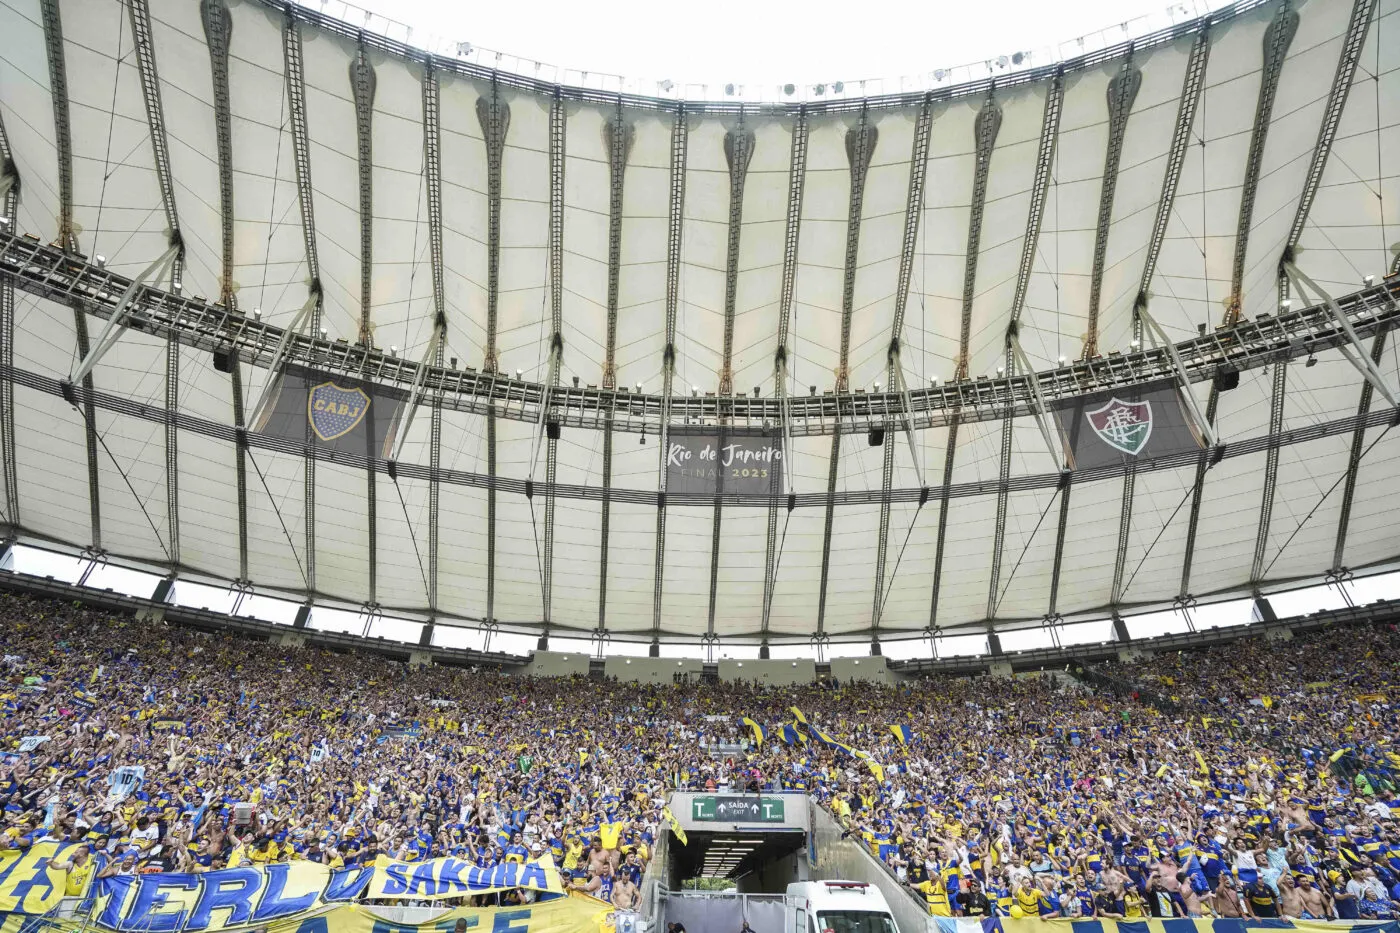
[832, 858]
[556, 664]
[651, 670]
[800, 671]
[871, 669]
[774, 877]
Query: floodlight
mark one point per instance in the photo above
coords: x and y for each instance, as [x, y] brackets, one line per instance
[838, 87]
[729, 89]
[789, 89]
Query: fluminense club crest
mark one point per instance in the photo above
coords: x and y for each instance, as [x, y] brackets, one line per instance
[335, 411]
[1124, 426]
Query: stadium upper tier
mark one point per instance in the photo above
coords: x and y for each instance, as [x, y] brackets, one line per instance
[895, 289]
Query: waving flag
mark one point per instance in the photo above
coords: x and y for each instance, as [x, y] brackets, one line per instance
[759, 733]
[798, 714]
[903, 733]
[791, 736]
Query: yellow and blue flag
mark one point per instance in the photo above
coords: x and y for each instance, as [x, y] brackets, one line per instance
[798, 714]
[791, 736]
[759, 732]
[903, 733]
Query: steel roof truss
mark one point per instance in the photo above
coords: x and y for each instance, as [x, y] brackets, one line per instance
[1352, 349]
[680, 140]
[116, 322]
[1266, 504]
[1039, 409]
[1358, 441]
[1159, 337]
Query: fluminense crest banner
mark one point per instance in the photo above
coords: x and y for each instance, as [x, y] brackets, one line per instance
[1140, 422]
[334, 410]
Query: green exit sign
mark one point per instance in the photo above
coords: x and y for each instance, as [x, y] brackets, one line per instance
[737, 810]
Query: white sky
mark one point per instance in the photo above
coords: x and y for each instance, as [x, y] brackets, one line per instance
[762, 41]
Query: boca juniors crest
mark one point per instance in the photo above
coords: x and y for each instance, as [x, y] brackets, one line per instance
[1125, 426]
[335, 411]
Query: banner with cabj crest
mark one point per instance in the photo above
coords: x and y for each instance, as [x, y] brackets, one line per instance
[334, 410]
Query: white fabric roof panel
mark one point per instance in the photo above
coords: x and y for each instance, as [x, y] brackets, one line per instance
[1359, 197]
[330, 120]
[464, 219]
[269, 257]
[116, 200]
[1147, 139]
[759, 280]
[118, 214]
[1010, 180]
[27, 109]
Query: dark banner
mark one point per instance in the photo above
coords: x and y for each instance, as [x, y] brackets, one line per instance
[335, 411]
[709, 461]
[1115, 426]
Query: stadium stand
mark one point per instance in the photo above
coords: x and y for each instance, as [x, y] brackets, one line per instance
[1253, 779]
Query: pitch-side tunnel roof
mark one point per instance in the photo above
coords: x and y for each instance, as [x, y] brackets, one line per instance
[617, 265]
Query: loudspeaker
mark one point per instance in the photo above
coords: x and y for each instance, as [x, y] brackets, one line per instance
[877, 437]
[223, 361]
[551, 430]
[1227, 379]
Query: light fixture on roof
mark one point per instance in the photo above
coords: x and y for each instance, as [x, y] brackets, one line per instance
[1369, 280]
[939, 74]
[1285, 304]
[757, 391]
[1062, 360]
[1135, 343]
[99, 261]
[1312, 361]
[639, 387]
[1001, 370]
[838, 87]
[177, 285]
[729, 90]
[257, 314]
[1003, 61]
[694, 391]
[394, 352]
[819, 89]
[813, 390]
[323, 333]
[933, 382]
[4, 222]
[877, 386]
[666, 86]
[464, 49]
[520, 373]
[1019, 57]
[789, 89]
[576, 382]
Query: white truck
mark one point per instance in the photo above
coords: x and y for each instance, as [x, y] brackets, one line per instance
[836, 907]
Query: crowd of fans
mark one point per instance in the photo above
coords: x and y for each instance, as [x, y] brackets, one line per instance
[1252, 780]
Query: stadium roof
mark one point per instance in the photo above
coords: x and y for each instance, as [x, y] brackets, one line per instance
[619, 263]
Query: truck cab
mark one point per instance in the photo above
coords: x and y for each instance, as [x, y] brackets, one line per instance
[836, 907]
